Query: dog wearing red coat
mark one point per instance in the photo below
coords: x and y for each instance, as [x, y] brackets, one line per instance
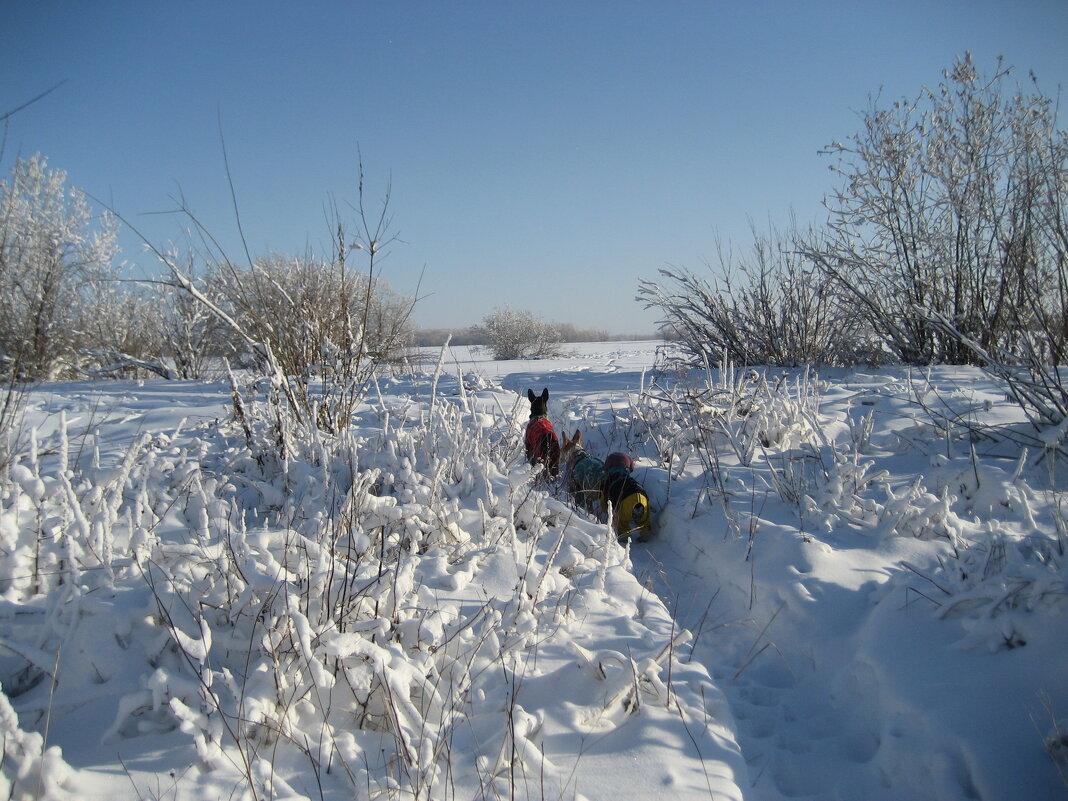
[541, 443]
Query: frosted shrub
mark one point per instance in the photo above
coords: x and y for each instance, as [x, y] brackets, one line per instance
[1011, 566]
[57, 522]
[53, 255]
[758, 439]
[827, 485]
[770, 306]
[749, 413]
[746, 416]
[948, 224]
[514, 334]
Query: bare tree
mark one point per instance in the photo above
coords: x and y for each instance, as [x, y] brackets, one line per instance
[771, 307]
[950, 208]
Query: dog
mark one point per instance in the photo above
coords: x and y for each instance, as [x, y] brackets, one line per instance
[585, 473]
[540, 441]
[631, 512]
[595, 485]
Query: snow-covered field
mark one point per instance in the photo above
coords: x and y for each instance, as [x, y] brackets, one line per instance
[854, 592]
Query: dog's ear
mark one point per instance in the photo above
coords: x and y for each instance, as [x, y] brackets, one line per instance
[545, 394]
[531, 395]
[578, 437]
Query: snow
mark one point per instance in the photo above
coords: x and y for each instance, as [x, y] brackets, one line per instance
[854, 592]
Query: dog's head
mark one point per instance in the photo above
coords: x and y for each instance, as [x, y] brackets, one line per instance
[539, 404]
[571, 445]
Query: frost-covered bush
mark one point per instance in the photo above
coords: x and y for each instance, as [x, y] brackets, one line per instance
[1032, 372]
[1000, 540]
[748, 412]
[54, 252]
[515, 334]
[755, 435]
[28, 770]
[772, 307]
[190, 337]
[305, 307]
[952, 206]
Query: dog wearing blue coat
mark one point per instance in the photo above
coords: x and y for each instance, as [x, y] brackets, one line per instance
[585, 473]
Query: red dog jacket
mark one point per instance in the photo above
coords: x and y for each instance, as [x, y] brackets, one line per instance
[542, 445]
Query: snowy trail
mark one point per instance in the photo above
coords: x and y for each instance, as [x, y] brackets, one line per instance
[807, 715]
[806, 731]
[807, 719]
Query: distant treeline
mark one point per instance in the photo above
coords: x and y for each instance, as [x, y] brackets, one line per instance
[477, 335]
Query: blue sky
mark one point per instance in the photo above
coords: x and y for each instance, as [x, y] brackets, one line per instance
[543, 155]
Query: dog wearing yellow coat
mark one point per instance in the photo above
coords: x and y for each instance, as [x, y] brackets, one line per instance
[631, 513]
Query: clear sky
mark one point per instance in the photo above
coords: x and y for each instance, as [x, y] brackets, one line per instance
[543, 155]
